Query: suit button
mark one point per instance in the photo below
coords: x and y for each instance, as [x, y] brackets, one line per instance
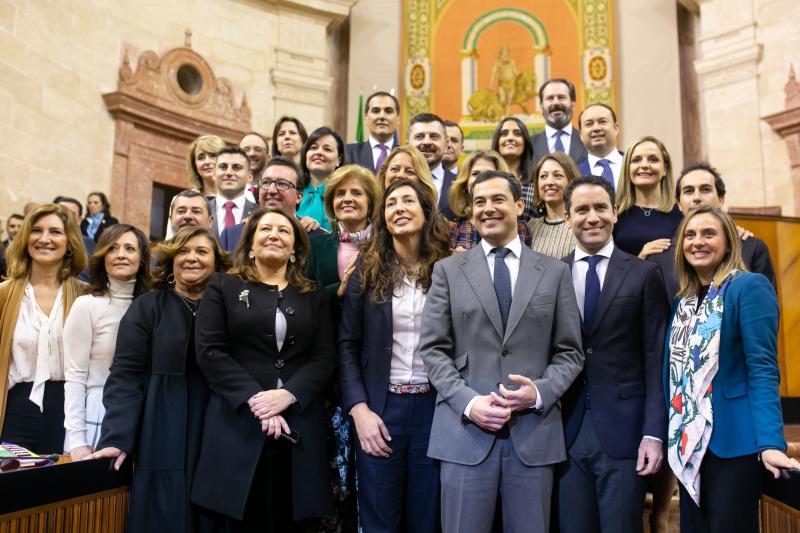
[589, 351]
[505, 352]
[279, 363]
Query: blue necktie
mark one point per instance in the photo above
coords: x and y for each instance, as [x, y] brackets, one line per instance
[591, 294]
[559, 146]
[502, 283]
[607, 174]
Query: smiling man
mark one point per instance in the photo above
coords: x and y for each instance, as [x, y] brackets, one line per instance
[599, 130]
[255, 146]
[496, 426]
[382, 118]
[557, 100]
[427, 133]
[614, 411]
[232, 174]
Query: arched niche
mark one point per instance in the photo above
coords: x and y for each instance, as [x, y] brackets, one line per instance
[159, 109]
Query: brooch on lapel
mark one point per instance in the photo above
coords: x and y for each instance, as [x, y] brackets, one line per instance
[244, 296]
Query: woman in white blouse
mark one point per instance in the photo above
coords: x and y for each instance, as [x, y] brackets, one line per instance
[43, 261]
[119, 270]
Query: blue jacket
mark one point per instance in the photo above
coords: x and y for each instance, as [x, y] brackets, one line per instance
[745, 398]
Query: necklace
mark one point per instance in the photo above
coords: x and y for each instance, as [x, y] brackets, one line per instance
[191, 305]
[646, 210]
[552, 222]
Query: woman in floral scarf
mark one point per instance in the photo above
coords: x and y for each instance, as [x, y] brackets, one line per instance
[721, 379]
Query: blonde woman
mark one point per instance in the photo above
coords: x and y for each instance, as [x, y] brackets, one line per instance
[406, 162]
[201, 161]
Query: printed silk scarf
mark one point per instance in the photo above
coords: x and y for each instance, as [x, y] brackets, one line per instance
[693, 363]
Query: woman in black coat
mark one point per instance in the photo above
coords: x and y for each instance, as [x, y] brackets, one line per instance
[98, 216]
[155, 395]
[265, 342]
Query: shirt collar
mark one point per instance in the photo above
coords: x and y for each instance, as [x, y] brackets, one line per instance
[614, 157]
[438, 172]
[373, 143]
[605, 251]
[238, 201]
[515, 246]
[550, 131]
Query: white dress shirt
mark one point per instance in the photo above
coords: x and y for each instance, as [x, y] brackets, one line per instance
[615, 158]
[566, 140]
[438, 180]
[406, 365]
[581, 267]
[512, 262]
[238, 210]
[376, 151]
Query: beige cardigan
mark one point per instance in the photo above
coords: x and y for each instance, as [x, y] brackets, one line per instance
[11, 293]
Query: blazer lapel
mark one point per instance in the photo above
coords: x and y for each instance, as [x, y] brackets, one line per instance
[476, 272]
[530, 274]
[618, 267]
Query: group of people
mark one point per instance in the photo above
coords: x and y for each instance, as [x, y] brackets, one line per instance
[400, 337]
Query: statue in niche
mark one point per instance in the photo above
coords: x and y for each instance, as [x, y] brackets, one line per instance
[514, 88]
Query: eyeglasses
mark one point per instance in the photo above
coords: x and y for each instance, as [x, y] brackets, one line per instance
[281, 185]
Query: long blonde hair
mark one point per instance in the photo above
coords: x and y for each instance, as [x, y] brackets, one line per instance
[210, 144]
[420, 167]
[458, 197]
[626, 194]
[688, 280]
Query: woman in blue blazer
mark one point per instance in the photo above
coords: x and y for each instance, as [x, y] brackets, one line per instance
[384, 383]
[721, 379]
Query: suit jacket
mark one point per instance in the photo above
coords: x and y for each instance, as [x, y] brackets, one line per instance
[360, 154]
[467, 353]
[237, 352]
[212, 205]
[365, 347]
[755, 255]
[105, 223]
[623, 359]
[745, 398]
[576, 149]
[583, 166]
[444, 202]
[323, 261]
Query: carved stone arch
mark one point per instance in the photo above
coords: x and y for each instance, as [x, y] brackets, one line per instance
[159, 109]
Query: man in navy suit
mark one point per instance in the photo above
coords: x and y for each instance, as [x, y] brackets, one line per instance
[599, 130]
[701, 184]
[615, 416]
[455, 146]
[427, 133]
[382, 118]
[557, 100]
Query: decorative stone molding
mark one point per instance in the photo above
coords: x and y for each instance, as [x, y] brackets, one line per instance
[728, 56]
[786, 123]
[335, 11]
[295, 78]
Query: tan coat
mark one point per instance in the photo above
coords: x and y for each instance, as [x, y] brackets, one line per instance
[11, 293]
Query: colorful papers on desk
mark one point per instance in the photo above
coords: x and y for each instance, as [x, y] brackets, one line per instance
[13, 457]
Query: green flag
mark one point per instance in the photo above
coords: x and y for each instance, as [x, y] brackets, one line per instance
[360, 120]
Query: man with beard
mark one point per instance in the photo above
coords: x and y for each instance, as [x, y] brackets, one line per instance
[426, 133]
[557, 100]
[599, 130]
[255, 146]
[382, 118]
[455, 146]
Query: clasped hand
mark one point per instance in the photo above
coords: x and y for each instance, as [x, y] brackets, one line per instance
[269, 403]
[492, 411]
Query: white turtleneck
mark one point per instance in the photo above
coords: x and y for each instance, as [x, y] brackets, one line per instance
[90, 337]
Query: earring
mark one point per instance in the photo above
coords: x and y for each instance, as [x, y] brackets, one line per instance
[251, 254]
[171, 278]
[292, 258]
[68, 253]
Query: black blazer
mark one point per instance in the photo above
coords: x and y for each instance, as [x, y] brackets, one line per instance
[238, 353]
[105, 223]
[365, 347]
[755, 255]
[624, 354]
[360, 154]
[444, 202]
[576, 149]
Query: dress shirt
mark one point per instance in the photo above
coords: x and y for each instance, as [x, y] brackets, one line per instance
[238, 210]
[512, 262]
[406, 365]
[376, 152]
[438, 180]
[36, 349]
[579, 269]
[615, 158]
[566, 140]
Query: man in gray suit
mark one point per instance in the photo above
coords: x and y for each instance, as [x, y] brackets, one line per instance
[230, 206]
[501, 342]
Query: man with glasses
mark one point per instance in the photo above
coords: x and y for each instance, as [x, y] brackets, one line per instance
[277, 189]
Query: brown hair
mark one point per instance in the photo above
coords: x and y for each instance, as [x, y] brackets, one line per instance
[18, 259]
[626, 193]
[688, 280]
[98, 277]
[380, 266]
[458, 197]
[244, 266]
[567, 165]
[364, 177]
[166, 251]
[420, 167]
[210, 144]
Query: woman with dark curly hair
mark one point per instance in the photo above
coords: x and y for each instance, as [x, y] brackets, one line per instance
[385, 386]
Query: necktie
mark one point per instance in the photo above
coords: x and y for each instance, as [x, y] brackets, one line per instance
[607, 174]
[559, 147]
[591, 293]
[502, 283]
[381, 157]
[229, 220]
